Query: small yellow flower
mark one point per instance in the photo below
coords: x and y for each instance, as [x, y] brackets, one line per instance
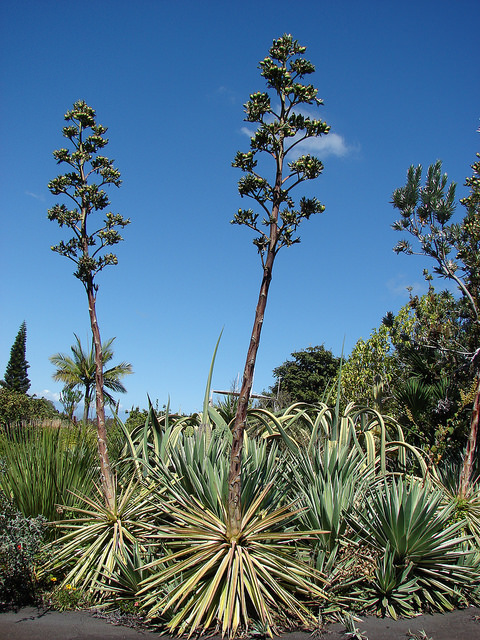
[68, 586]
[53, 579]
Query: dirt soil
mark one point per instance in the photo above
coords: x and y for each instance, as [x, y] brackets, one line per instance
[36, 624]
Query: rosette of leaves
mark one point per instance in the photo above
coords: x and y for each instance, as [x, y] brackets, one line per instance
[331, 483]
[98, 537]
[214, 579]
[446, 477]
[404, 520]
[392, 590]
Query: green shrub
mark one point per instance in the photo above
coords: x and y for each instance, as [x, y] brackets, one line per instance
[18, 407]
[136, 418]
[20, 540]
[68, 597]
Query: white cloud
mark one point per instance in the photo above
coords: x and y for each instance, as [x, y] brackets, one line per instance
[332, 144]
[401, 288]
[49, 395]
[247, 132]
[227, 93]
[35, 195]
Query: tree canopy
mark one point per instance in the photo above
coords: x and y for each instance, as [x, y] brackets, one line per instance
[16, 407]
[78, 372]
[427, 216]
[306, 378]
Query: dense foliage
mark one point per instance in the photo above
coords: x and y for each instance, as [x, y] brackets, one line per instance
[428, 391]
[427, 216]
[307, 378]
[20, 541]
[136, 417]
[327, 499]
[44, 466]
[16, 407]
[326, 525]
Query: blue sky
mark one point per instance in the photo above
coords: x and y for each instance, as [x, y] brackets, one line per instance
[169, 79]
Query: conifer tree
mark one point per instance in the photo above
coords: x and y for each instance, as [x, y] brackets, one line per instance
[16, 378]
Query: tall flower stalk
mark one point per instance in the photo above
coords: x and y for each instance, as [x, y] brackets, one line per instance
[83, 185]
[282, 127]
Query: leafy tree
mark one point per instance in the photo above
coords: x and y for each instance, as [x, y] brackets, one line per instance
[282, 126]
[397, 373]
[426, 214]
[306, 378]
[78, 372]
[136, 417]
[83, 185]
[435, 386]
[69, 399]
[16, 378]
[16, 407]
[371, 368]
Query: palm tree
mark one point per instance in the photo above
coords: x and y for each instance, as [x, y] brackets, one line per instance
[78, 371]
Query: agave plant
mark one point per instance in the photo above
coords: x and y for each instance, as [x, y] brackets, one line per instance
[98, 537]
[331, 484]
[122, 584]
[467, 506]
[392, 591]
[201, 470]
[404, 519]
[198, 468]
[204, 575]
[379, 437]
[227, 581]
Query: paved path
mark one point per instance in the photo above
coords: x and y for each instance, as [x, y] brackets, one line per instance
[33, 624]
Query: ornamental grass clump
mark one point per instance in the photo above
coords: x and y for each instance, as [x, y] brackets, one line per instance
[44, 467]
